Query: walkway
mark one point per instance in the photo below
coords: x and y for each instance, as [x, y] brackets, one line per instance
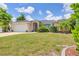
[13, 33]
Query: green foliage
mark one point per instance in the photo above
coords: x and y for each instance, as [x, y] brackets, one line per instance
[75, 7]
[75, 32]
[40, 24]
[1, 24]
[53, 29]
[43, 29]
[2, 10]
[65, 26]
[72, 23]
[5, 18]
[21, 17]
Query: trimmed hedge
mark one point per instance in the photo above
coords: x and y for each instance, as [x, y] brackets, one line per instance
[43, 29]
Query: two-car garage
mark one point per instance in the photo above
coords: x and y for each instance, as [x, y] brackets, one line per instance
[21, 27]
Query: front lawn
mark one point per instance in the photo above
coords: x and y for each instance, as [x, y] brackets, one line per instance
[34, 44]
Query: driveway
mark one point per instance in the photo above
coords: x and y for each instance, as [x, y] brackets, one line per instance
[13, 33]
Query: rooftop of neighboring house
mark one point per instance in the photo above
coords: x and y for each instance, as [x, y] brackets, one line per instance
[47, 21]
[56, 23]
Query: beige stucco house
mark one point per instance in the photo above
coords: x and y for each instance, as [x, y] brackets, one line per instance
[24, 26]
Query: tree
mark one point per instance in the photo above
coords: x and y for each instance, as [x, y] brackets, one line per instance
[5, 18]
[40, 24]
[53, 28]
[67, 25]
[75, 16]
[72, 23]
[75, 7]
[64, 26]
[21, 17]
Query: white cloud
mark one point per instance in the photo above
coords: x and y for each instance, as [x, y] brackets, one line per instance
[22, 9]
[14, 19]
[49, 12]
[67, 10]
[58, 17]
[4, 6]
[66, 16]
[51, 16]
[40, 12]
[28, 10]
[29, 18]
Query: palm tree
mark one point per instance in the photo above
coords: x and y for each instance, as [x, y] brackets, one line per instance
[5, 18]
[65, 26]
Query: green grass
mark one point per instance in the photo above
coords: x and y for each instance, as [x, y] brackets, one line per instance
[34, 44]
[0, 24]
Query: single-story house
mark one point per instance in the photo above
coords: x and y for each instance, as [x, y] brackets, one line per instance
[23, 26]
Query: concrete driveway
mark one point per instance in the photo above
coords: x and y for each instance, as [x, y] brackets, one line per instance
[13, 33]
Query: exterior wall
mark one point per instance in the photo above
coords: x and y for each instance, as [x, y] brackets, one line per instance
[22, 26]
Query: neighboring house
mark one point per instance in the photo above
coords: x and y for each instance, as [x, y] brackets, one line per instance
[47, 23]
[56, 24]
[24, 26]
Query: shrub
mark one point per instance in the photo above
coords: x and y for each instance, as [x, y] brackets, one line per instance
[53, 29]
[75, 34]
[43, 29]
[5, 28]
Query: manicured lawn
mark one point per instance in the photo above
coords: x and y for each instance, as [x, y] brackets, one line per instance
[34, 44]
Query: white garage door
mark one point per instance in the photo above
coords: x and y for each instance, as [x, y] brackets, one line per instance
[20, 28]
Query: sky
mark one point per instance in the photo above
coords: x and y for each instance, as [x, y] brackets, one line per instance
[39, 11]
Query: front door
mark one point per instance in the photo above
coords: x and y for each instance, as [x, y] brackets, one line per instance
[35, 26]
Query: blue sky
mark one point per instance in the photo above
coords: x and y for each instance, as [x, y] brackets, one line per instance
[38, 11]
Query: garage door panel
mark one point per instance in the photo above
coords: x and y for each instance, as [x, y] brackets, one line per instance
[21, 28]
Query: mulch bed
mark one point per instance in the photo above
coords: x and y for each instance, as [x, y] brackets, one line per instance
[71, 52]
